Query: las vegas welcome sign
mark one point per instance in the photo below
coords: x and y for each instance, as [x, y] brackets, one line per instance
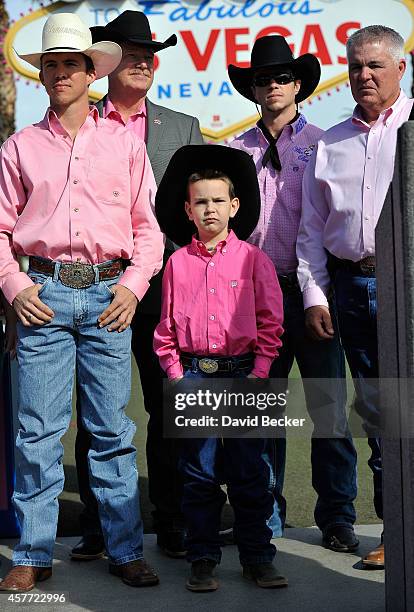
[192, 77]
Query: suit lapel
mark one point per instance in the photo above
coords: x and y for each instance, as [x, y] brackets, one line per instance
[156, 127]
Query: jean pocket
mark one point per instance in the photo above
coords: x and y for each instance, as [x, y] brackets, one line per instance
[108, 284]
[39, 279]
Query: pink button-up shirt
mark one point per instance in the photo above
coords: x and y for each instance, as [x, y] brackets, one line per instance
[227, 304]
[137, 122]
[89, 200]
[344, 188]
[281, 192]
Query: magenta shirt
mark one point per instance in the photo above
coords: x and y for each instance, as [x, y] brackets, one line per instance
[344, 189]
[225, 304]
[281, 192]
[90, 200]
[137, 122]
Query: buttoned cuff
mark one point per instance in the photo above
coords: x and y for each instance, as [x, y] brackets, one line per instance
[262, 366]
[175, 371]
[314, 296]
[15, 283]
[133, 281]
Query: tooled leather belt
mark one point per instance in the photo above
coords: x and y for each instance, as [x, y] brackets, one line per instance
[78, 275]
[211, 365]
[364, 267]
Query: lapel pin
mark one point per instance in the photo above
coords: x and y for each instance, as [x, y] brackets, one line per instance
[157, 121]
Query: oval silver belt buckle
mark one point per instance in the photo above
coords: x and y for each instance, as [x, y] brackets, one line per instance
[208, 366]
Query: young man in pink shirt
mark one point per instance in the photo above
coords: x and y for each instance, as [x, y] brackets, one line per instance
[75, 197]
[221, 316]
[281, 144]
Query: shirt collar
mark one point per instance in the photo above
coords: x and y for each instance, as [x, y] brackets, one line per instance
[56, 128]
[109, 108]
[198, 247]
[293, 129]
[386, 116]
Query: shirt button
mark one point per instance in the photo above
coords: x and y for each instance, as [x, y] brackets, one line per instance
[75, 182]
[76, 209]
[368, 186]
[77, 233]
[212, 290]
[366, 218]
[77, 158]
[214, 346]
[212, 317]
[211, 264]
[369, 156]
[224, 250]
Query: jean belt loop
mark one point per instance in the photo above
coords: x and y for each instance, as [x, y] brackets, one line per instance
[194, 365]
[96, 270]
[56, 271]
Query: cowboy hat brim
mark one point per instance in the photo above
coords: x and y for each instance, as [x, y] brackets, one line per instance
[172, 191]
[306, 68]
[105, 55]
[106, 33]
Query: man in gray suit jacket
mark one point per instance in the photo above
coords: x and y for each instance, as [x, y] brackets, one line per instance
[164, 131]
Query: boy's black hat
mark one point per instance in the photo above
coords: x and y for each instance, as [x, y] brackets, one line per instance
[131, 27]
[274, 51]
[172, 191]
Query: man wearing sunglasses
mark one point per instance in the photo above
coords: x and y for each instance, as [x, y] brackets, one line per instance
[281, 144]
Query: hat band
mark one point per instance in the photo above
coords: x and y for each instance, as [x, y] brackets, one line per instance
[54, 48]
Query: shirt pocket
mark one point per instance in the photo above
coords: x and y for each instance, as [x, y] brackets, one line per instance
[110, 184]
[241, 297]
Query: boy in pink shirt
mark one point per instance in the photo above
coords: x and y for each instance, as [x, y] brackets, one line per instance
[221, 316]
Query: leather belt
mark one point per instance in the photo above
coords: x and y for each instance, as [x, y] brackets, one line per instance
[78, 275]
[364, 267]
[288, 282]
[219, 365]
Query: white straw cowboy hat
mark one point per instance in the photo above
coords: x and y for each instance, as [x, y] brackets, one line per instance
[66, 33]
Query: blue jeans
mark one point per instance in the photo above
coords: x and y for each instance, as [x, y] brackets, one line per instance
[48, 356]
[333, 459]
[356, 302]
[207, 462]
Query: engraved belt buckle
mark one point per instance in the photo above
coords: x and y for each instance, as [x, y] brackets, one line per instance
[208, 366]
[77, 276]
[367, 265]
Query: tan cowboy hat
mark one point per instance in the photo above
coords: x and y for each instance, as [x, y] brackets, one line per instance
[66, 33]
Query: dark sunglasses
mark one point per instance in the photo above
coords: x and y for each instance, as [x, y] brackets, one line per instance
[263, 80]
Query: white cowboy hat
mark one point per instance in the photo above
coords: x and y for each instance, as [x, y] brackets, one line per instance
[66, 33]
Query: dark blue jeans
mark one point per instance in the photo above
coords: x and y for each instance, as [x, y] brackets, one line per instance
[333, 459]
[356, 302]
[239, 463]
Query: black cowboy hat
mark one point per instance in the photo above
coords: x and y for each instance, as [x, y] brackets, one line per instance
[131, 27]
[172, 191]
[270, 51]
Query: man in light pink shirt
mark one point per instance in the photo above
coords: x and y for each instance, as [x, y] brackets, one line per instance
[163, 131]
[281, 144]
[75, 196]
[344, 189]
